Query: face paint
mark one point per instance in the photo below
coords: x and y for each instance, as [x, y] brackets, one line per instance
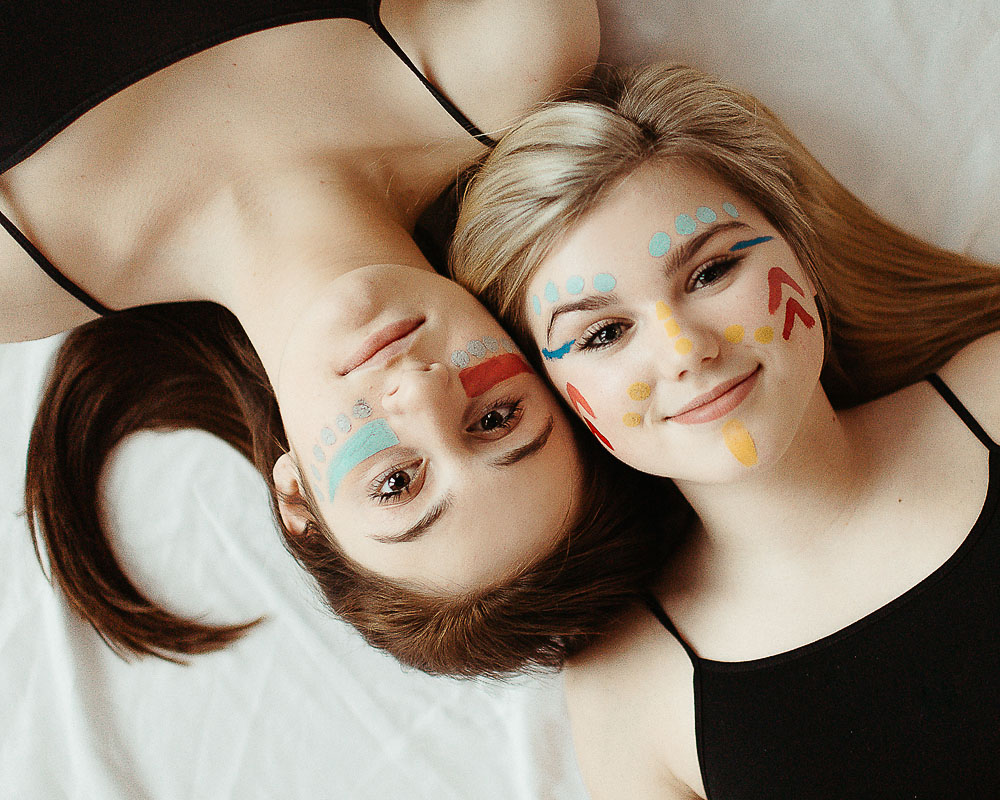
[659, 244]
[343, 423]
[685, 225]
[328, 436]
[734, 334]
[579, 402]
[749, 243]
[559, 352]
[460, 359]
[730, 209]
[551, 292]
[764, 334]
[739, 442]
[604, 281]
[371, 438]
[639, 391]
[574, 284]
[683, 346]
[776, 276]
[632, 420]
[491, 344]
[483, 377]
[794, 309]
[706, 215]
[361, 410]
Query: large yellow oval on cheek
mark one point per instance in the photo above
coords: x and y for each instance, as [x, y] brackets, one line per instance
[739, 442]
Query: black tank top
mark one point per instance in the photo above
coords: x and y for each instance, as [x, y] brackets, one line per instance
[59, 60]
[904, 703]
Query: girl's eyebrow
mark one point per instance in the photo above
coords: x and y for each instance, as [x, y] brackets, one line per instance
[593, 302]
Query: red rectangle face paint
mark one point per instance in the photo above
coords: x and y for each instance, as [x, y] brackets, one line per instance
[483, 377]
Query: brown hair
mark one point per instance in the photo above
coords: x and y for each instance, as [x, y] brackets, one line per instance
[895, 308]
[191, 365]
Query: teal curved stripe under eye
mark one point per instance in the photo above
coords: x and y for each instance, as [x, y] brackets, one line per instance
[371, 438]
[553, 355]
[750, 243]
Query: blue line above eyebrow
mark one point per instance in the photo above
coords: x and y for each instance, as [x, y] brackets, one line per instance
[552, 355]
[750, 243]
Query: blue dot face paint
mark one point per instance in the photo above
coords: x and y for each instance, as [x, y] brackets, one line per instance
[551, 292]
[604, 282]
[659, 244]
[559, 352]
[536, 304]
[685, 225]
[750, 243]
[328, 436]
[343, 423]
[730, 209]
[371, 438]
[706, 215]
[574, 284]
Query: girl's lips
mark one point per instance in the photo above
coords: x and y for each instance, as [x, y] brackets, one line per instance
[719, 401]
[384, 342]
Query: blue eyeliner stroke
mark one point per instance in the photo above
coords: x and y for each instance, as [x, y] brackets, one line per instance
[750, 243]
[552, 355]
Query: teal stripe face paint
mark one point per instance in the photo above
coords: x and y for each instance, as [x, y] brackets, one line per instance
[371, 438]
[559, 352]
[750, 243]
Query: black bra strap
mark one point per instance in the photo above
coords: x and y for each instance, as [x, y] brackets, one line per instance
[443, 101]
[657, 610]
[50, 269]
[961, 410]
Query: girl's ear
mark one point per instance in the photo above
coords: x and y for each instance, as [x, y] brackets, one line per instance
[292, 505]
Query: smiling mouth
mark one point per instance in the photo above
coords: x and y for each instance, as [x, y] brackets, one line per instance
[383, 344]
[718, 402]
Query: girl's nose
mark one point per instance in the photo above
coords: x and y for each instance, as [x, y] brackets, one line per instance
[684, 346]
[418, 388]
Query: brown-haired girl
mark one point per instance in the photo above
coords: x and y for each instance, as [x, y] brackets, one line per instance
[273, 157]
[821, 389]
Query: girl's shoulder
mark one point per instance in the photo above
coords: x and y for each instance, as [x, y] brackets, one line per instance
[973, 374]
[631, 708]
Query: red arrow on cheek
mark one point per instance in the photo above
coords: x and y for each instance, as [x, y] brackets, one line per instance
[579, 402]
[794, 309]
[775, 278]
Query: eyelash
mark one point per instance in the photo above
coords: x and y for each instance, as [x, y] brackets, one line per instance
[375, 488]
[727, 263]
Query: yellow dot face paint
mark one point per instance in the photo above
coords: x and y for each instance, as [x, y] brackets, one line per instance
[740, 442]
[683, 346]
[631, 420]
[671, 327]
[639, 391]
[734, 333]
[764, 334]
[662, 310]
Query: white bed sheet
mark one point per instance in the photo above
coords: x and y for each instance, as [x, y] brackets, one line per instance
[899, 99]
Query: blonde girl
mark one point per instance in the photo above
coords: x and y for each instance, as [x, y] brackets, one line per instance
[719, 311]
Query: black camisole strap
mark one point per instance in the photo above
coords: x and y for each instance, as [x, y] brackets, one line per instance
[963, 413]
[50, 269]
[657, 610]
[443, 101]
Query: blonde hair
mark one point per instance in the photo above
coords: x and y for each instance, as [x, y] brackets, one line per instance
[895, 307]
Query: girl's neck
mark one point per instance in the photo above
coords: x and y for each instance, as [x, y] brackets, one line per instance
[810, 494]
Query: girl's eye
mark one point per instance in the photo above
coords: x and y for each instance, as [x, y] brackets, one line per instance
[397, 484]
[498, 419]
[713, 272]
[601, 334]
